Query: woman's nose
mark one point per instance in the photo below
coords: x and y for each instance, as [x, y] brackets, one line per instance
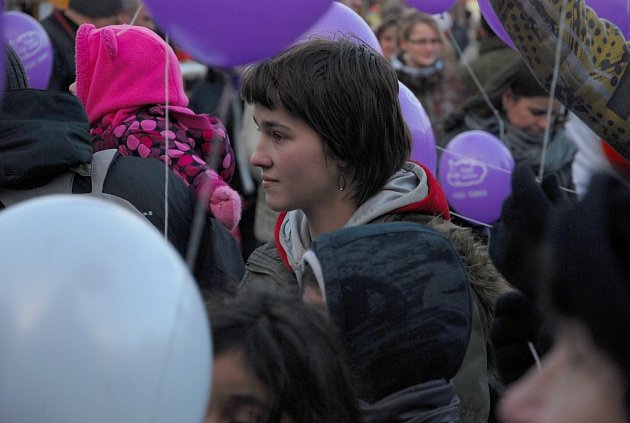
[259, 157]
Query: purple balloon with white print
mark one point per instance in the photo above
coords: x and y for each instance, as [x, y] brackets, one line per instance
[475, 172]
[32, 44]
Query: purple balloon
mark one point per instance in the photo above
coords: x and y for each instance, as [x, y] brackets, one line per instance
[339, 20]
[228, 33]
[475, 172]
[31, 43]
[616, 11]
[432, 6]
[493, 22]
[417, 120]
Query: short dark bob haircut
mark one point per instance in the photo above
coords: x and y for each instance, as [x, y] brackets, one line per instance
[348, 94]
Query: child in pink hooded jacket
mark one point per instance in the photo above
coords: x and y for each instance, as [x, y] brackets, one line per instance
[121, 82]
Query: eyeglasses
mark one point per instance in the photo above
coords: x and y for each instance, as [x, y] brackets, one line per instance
[426, 41]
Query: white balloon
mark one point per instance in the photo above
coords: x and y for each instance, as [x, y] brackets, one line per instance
[100, 320]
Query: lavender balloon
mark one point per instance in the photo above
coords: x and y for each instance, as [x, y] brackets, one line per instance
[432, 6]
[31, 43]
[228, 33]
[339, 20]
[417, 120]
[616, 11]
[475, 171]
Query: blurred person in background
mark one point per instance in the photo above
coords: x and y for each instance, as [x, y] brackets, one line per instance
[426, 66]
[387, 35]
[62, 26]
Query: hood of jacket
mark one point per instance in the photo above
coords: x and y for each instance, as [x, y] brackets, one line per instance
[412, 189]
[121, 67]
[42, 134]
[400, 298]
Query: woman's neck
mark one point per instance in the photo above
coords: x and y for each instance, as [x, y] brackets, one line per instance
[329, 219]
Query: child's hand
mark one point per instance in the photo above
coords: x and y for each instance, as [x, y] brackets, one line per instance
[225, 204]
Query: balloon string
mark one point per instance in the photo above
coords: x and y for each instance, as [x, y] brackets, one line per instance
[131, 23]
[552, 91]
[166, 127]
[135, 15]
[180, 301]
[477, 82]
[459, 155]
[532, 349]
[470, 219]
[500, 169]
[547, 134]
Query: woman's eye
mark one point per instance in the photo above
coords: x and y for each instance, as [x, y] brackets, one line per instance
[277, 136]
[248, 415]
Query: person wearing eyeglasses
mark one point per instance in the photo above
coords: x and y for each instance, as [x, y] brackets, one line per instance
[520, 103]
[426, 66]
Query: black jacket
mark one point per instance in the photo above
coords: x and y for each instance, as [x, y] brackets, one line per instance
[44, 134]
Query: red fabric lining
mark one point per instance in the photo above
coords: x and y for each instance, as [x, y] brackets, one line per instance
[276, 235]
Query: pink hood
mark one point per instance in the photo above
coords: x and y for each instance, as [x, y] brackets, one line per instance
[122, 67]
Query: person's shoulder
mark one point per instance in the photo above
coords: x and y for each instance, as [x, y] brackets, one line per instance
[264, 265]
[412, 217]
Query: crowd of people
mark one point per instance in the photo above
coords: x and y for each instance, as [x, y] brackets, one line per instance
[340, 289]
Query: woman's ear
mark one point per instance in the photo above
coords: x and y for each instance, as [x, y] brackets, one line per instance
[507, 99]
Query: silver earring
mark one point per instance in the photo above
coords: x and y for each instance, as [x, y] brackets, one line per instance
[341, 181]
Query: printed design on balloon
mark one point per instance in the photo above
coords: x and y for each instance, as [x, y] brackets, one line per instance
[30, 47]
[466, 172]
[31, 43]
[475, 171]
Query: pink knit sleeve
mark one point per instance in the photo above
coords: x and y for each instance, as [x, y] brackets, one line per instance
[184, 157]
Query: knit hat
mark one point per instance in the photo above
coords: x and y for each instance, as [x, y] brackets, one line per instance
[400, 298]
[591, 282]
[122, 67]
[96, 8]
[16, 77]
